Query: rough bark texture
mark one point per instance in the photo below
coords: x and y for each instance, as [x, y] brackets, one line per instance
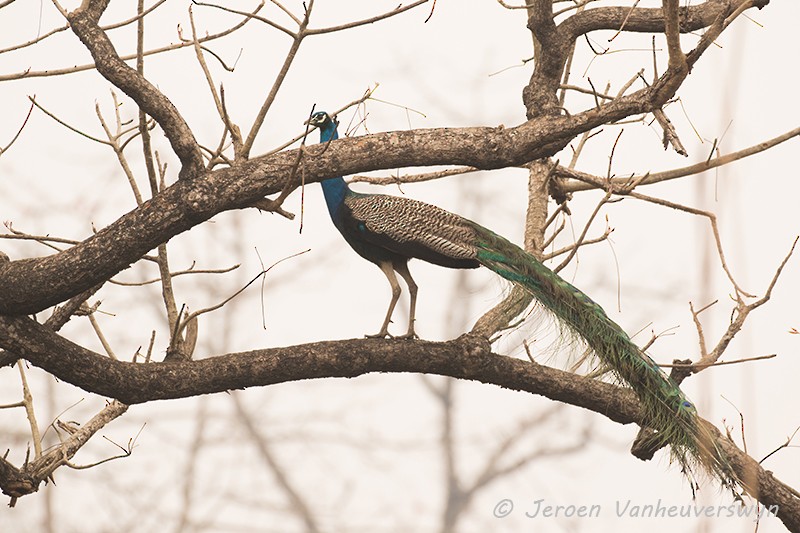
[468, 357]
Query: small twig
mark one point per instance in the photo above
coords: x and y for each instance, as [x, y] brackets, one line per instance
[723, 363]
[594, 92]
[624, 21]
[71, 128]
[657, 177]
[689, 120]
[431, 13]
[655, 60]
[653, 336]
[118, 150]
[670, 135]
[19, 131]
[195, 314]
[366, 96]
[28, 73]
[779, 448]
[198, 51]
[561, 208]
[582, 236]
[148, 356]
[401, 106]
[576, 152]
[552, 255]
[363, 22]
[275, 205]
[741, 424]
[575, 5]
[42, 468]
[582, 90]
[699, 327]
[177, 273]
[278, 82]
[287, 11]
[233, 129]
[265, 204]
[742, 311]
[43, 239]
[627, 85]
[528, 351]
[41, 37]
[412, 178]
[252, 15]
[27, 400]
[627, 190]
[99, 332]
[567, 71]
[611, 155]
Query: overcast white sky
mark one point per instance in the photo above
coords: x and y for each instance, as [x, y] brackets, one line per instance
[365, 452]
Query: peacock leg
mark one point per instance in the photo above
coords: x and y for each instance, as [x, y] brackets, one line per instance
[402, 268]
[388, 270]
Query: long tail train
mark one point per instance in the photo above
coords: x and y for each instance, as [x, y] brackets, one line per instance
[666, 408]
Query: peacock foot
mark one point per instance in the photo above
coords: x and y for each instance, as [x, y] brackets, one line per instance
[383, 334]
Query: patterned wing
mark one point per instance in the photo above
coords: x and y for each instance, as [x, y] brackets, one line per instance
[413, 228]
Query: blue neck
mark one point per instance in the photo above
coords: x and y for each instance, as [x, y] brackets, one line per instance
[327, 132]
[334, 189]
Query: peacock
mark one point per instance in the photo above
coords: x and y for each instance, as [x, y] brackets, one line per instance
[390, 230]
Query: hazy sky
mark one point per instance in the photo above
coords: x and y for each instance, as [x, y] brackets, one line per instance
[365, 452]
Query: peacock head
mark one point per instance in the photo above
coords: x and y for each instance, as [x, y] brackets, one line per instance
[320, 118]
[326, 124]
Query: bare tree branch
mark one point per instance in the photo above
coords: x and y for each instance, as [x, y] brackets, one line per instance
[581, 184]
[84, 22]
[52, 72]
[468, 357]
[16, 482]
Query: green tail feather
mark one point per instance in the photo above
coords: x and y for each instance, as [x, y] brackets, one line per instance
[667, 410]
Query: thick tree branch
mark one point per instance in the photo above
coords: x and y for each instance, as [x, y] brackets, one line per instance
[651, 20]
[31, 285]
[84, 22]
[554, 42]
[469, 357]
[551, 50]
[61, 315]
[672, 30]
